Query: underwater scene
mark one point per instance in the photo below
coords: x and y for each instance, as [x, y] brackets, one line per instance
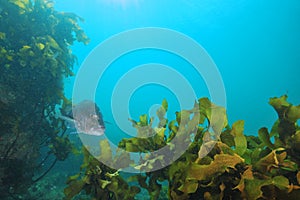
[149, 100]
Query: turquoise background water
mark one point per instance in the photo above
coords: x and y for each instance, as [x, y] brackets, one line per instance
[255, 45]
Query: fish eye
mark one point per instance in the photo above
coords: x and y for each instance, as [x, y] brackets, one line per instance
[94, 116]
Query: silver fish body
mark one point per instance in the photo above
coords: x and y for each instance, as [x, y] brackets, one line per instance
[86, 118]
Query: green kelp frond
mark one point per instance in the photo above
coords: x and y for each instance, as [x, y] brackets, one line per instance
[98, 181]
[229, 165]
[48, 37]
[61, 147]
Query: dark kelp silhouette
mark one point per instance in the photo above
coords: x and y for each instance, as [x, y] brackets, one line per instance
[35, 57]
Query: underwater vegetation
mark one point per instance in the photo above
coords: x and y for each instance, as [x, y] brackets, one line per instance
[237, 167]
[35, 57]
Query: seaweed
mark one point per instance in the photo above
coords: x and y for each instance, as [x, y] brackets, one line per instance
[230, 166]
[98, 181]
[35, 57]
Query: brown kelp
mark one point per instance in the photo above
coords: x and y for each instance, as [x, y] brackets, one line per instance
[238, 166]
[35, 57]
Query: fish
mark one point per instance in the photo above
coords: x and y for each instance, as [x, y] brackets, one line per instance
[85, 117]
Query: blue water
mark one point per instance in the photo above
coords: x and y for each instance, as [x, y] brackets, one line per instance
[255, 45]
